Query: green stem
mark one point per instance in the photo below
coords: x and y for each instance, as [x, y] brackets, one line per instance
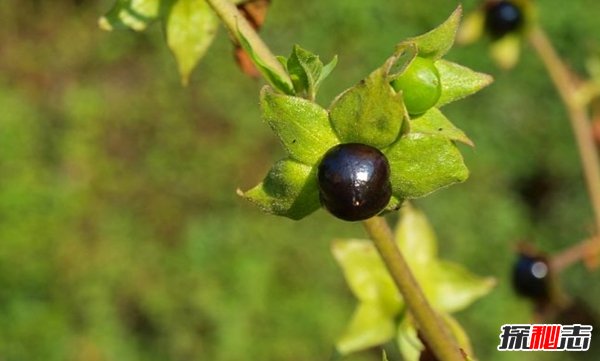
[578, 115]
[431, 326]
[236, 23]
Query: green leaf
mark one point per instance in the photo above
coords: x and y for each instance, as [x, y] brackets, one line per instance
[437, 42]
[421, 164]
[307, 71]
[434, 122]
[304, 68]
[459, 82]
[411, 346]
[370, 113]
[448, 286]
[506, 50]
[366, 275]
[191, 27]
[369, 327]
[415, 237]
[290, 190]
[455, 286]
[301, 125]
[271, 75]
[327, 69]
[130, 14]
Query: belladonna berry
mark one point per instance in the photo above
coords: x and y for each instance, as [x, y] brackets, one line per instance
[531, 277]
[502, 17]
[420, 85]
[354, 181]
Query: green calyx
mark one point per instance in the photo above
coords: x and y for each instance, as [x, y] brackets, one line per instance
[379, 316]
[405, 125]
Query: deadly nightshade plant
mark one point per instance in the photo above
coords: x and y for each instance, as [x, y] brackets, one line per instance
[419, 146]
[386, 132]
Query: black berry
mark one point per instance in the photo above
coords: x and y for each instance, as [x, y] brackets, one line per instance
[531, 277]
[502, 17]
[354, 181]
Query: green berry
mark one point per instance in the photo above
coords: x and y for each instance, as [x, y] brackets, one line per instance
[420, 85]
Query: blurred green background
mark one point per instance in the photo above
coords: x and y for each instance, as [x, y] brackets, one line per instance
[121, 235]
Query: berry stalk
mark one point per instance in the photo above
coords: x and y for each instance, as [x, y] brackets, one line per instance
[434, 331]
[578, 115]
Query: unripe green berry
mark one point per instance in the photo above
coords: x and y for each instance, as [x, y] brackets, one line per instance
[420, 85]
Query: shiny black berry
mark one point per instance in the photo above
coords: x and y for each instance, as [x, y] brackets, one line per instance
[354, 181]
[531, 277]
[502, 17]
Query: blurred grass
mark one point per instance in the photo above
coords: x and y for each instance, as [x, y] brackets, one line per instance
[121, 234]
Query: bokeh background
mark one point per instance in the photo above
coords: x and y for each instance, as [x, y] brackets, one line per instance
[122, 237]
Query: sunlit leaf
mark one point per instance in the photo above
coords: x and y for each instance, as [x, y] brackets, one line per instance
[408, 341]
[459, 82]
[301, 125]
[421, 164]
[289, 190]
[270, 74]
[437, 42]
[191, 27]
[370, 112]
[505, 51]
[415, 237]
[366, 275]
[434, 122]
[307, 71]
[411, 346]
[131, 14]
[368, 327]
[455, 286]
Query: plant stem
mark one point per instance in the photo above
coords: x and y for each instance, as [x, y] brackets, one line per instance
[433, 329]
[587, 251]
[578, 115]
[236, 23]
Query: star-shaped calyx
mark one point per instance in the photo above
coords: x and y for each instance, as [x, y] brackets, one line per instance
[381, 314]
[419, 146]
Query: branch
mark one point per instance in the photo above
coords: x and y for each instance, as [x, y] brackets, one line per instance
[577, 114]
[430, 325]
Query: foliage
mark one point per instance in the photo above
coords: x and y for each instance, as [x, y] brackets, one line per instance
[380, 314]
[421, 160]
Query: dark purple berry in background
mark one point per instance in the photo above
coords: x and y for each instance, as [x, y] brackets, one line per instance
[531, 277]
[502, 17]
[354, 181]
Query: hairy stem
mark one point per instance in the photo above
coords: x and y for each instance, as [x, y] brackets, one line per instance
[578, 115]
[236, 23]
[431, 326]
